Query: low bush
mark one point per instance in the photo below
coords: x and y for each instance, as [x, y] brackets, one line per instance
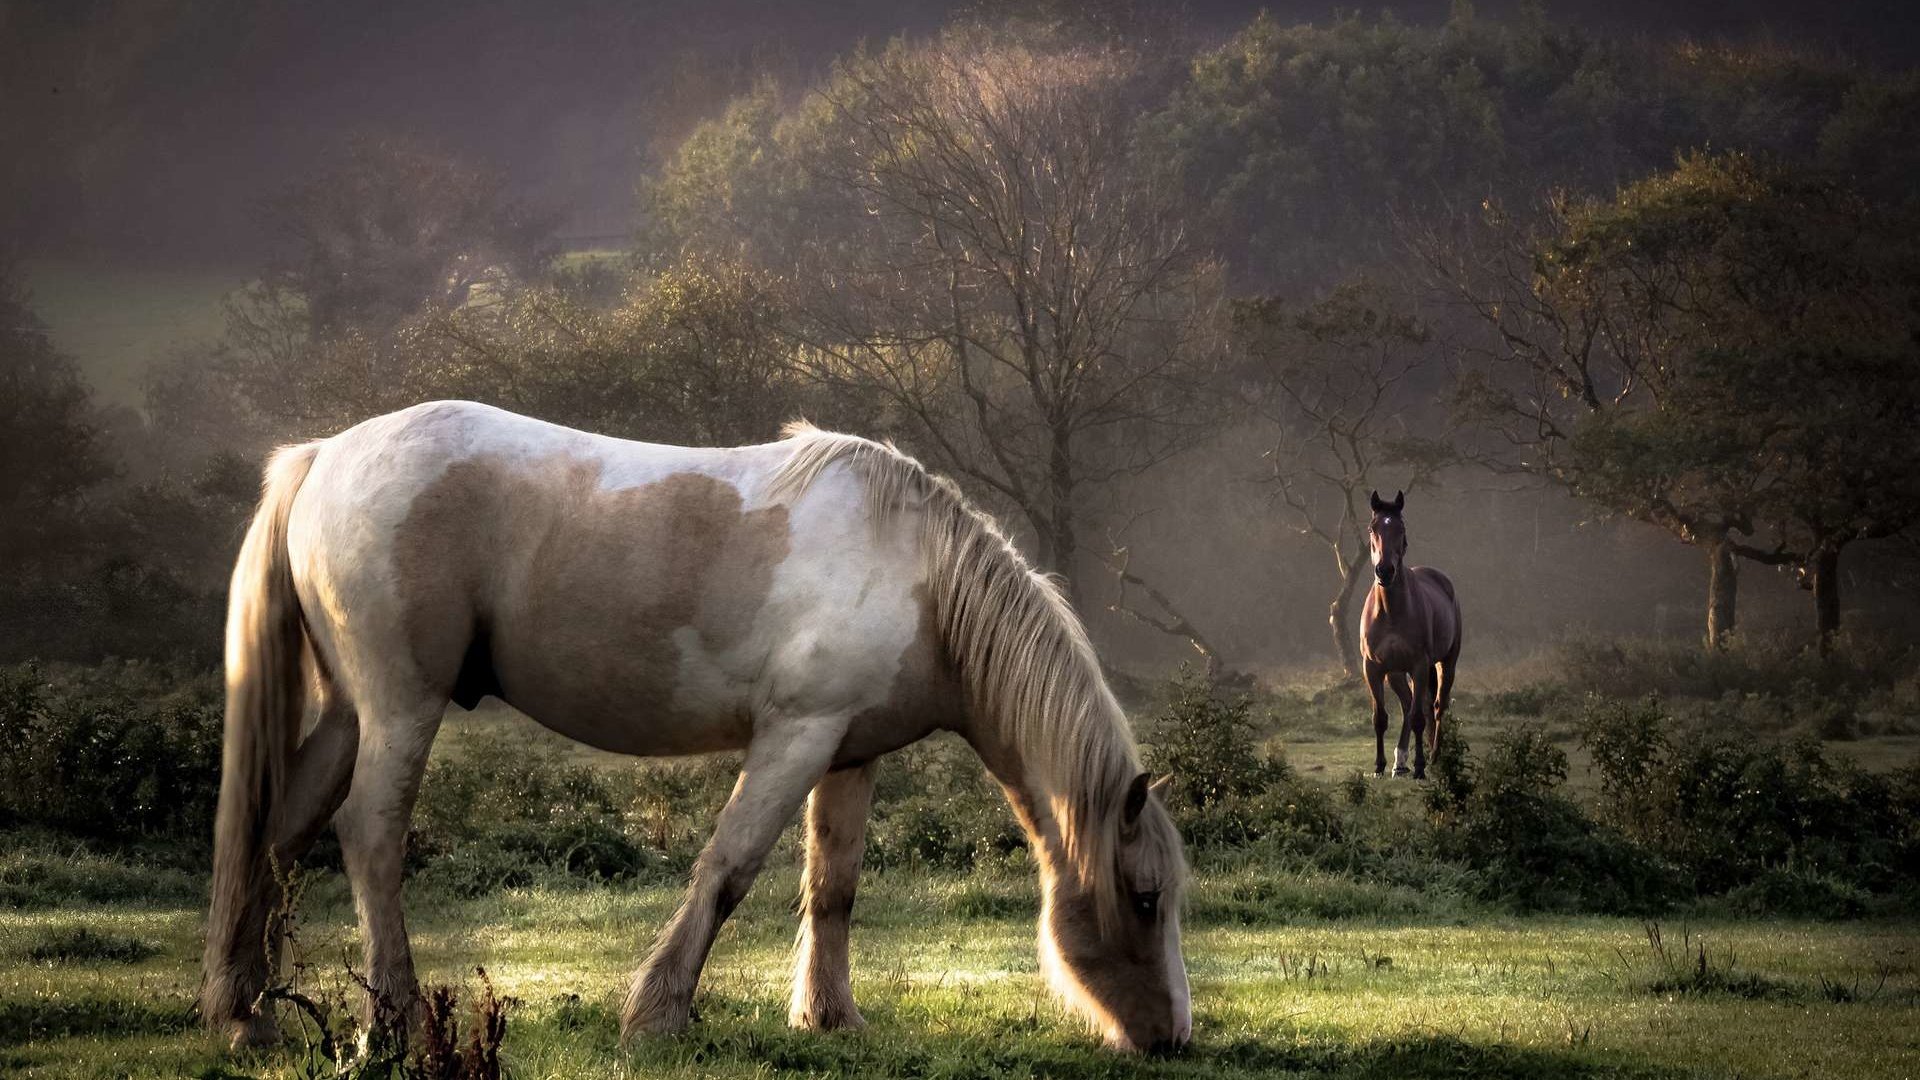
[119, 751]
[1777, 821]
[1227, 791]
[1529, 846]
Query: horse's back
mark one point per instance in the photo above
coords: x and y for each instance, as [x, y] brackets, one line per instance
[635, 596]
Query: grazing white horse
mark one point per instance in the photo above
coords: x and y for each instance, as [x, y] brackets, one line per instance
[817, 602]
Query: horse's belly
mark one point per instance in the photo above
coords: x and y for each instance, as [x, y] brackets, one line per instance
[651, 698]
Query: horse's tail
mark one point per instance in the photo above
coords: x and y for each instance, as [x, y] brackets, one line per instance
[265, 699]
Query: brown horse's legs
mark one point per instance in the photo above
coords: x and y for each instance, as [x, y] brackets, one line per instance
[1444, 671]
[1375, 675]
[1422, 711]
[785, 760]
[836, 839]
[1398, 680]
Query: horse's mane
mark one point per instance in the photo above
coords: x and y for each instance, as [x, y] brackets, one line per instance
[1021, 653]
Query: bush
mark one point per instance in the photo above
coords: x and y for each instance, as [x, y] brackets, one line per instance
[1529, 846]
[119, 751]
[1226, 791]
[503, 812]
[1738, 814]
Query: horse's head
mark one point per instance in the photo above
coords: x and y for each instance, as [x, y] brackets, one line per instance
[1111, 944]
[1387, 536]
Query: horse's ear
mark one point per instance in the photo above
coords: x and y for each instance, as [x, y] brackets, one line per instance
[1375, 503]
[1136, 799]
[1399, 501]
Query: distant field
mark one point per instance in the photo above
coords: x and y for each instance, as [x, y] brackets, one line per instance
[115, 318]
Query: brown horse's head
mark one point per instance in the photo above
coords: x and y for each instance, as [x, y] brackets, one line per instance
[1118, 963]
[1387, 536]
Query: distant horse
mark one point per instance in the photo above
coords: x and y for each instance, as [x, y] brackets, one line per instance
[817, 602]
[1410, 629]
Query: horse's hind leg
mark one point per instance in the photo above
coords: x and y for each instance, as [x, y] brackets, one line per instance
[1421, 712]
[1444, 671]
[394, 739]
[1398, 680]
[784, 761]
[836, 839]
[316, 782]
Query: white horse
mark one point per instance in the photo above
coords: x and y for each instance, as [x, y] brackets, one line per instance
[818, 602]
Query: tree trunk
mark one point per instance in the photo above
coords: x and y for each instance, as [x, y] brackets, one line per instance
[1723, 586]
[1340, 619]
[1826, 598]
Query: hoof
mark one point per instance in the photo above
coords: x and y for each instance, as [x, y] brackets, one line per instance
[1401, 772]
[657, 1020]
[1419, 774]
[257, 1032]
[845, 1018]
[1380, 772]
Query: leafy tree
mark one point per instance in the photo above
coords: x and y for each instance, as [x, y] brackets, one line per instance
[1718, 348]
[687, 355]
[1339, 384]
[50, 442]
[1305, 146]
[392, 227]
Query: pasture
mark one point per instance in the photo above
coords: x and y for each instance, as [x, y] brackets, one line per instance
[1297, 970]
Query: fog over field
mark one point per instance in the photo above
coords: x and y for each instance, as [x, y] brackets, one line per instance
[1560, 359]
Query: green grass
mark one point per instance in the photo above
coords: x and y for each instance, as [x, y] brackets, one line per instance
[945, 972]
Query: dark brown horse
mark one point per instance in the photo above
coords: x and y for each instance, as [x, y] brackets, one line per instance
[1410, 630]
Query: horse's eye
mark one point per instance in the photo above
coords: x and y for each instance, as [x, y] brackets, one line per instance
[1145, 904]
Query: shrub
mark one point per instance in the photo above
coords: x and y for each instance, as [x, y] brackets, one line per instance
[1779, 823]
[1226, 791]
[503, 812]
[1529, 846]
[119, 751]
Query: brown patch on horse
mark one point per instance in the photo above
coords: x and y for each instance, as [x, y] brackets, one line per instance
[576, 594]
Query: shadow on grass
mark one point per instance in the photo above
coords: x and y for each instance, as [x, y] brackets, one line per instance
[735, 1036]
[40, 1019]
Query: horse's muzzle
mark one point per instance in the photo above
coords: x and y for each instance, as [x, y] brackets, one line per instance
[1383, 575]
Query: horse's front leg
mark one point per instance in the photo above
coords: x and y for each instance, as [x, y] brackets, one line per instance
[784, 760]
[1376, 674]
[836, 840]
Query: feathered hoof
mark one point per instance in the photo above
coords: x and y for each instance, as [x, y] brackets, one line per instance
[657, 1018]
[257, 1032]
[828, 1018]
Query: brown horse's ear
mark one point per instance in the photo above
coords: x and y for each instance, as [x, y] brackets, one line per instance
[1374, 502]
[1399, 501]
[1136, 799]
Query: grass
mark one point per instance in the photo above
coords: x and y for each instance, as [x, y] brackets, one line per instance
[945, 972]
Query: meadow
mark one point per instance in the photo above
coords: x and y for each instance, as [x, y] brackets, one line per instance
[1338, 926]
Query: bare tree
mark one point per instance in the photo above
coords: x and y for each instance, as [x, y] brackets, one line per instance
[1007, 274]
[1335, 382]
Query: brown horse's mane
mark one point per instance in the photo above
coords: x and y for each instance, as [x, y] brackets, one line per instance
[1022, 654]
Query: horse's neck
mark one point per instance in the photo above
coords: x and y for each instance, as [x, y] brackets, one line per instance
[1041, 792]
[1396, 600]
